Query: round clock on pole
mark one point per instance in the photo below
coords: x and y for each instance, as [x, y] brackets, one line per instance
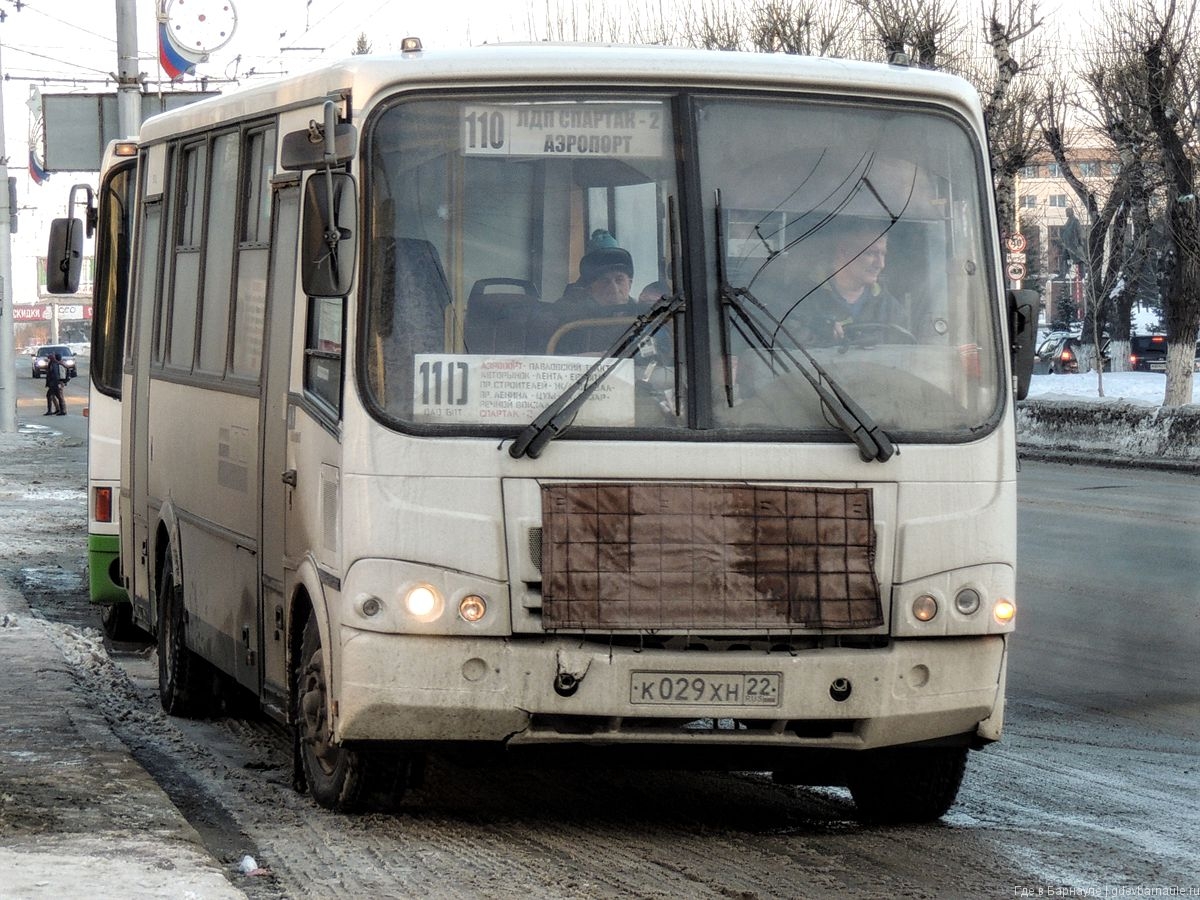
[189, 30]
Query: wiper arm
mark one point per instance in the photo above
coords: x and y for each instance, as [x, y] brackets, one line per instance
[558, 415]
[872, 441]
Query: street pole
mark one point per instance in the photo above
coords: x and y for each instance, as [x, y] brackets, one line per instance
[129, 95]
[8, 335]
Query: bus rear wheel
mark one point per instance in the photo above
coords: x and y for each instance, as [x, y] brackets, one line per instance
[117, 621]
[338, 778]
[183, 685]
[907, 784]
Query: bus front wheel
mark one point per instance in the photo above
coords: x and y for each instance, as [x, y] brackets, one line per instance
[339, 779]
[907, 784]
[185, 686]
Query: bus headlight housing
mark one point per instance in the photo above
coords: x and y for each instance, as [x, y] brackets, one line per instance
[972, 600]
[409, 598]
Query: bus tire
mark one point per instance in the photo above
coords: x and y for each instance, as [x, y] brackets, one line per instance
[117, 621]
[183, 688]
[907, 785]
[338, 778]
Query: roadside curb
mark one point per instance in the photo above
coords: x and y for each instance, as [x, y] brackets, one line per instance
[1110, 433]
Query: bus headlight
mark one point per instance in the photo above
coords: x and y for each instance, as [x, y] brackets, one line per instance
[924, 608]
[472, 608]
[423, 603]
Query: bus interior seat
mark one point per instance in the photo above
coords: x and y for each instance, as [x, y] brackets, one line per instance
[422, 293]
[506, 315]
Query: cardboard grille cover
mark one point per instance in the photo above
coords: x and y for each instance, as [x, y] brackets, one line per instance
[680, 556]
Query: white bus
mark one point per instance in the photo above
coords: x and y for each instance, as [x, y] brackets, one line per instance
[109, 217]
[410, 454]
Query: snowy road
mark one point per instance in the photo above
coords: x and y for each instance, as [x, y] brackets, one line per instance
[1092, 792]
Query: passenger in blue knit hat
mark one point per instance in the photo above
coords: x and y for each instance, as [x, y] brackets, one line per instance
[605, 272]
[602, 293]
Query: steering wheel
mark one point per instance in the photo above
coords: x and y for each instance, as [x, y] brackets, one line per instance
[860, 334]
[620, 323]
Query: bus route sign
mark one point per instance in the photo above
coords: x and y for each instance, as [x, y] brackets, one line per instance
[469, 389]
[632, 130]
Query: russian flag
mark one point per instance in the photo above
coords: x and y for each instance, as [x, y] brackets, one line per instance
[36, 172]
[174, 63]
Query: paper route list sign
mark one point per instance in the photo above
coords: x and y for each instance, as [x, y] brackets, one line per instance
[468, 389]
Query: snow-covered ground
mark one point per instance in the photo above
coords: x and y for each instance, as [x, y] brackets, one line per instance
[1143, 388]
[1127, 426]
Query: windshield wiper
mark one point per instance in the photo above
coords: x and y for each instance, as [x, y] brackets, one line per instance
[558, 415]
[872, 441]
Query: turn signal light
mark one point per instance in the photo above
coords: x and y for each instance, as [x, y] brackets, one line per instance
[1004, 611]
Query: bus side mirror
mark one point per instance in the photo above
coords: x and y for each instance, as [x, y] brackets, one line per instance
[328, 244]
[1022, 330]
[64, 256]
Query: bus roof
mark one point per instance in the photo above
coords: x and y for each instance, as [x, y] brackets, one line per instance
[501, 65]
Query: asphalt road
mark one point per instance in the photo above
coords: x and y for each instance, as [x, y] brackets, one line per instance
[1109, 593]
[1091, 792]
[31, 399]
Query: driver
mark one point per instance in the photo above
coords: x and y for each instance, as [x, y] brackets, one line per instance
[851, 293]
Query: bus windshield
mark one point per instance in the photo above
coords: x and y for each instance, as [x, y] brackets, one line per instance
[113, 246]
[823, 256]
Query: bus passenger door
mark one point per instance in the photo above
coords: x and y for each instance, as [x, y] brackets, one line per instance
[281, 293]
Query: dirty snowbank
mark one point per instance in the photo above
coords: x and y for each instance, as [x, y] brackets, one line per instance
[1065, 416]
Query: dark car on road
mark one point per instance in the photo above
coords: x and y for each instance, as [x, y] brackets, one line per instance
[1058, 354]
[41, 359]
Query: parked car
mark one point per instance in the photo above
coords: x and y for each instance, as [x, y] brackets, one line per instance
[1148, 353]
[41, 359]
[1059, 353]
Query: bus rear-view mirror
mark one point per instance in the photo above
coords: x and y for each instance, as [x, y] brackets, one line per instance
[330, 216]
[1022, 318]
[64, 257]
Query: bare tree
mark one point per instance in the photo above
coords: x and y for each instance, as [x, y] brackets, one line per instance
[804, 27]
[586, 20]
[922, 31]
[1117, 102]
[1164, 36]
[1008, 101]
[1095, 247]
[718, 25]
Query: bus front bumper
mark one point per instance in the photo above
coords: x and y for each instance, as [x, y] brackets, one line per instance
[557, 690]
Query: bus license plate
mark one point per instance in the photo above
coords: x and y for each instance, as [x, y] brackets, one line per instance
[706, 688]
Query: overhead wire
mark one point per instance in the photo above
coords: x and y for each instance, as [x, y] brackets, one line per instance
[25, 6]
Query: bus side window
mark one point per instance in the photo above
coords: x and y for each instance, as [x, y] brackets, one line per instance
[323, 351]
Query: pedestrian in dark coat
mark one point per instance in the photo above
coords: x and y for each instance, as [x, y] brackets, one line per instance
[55, 374]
